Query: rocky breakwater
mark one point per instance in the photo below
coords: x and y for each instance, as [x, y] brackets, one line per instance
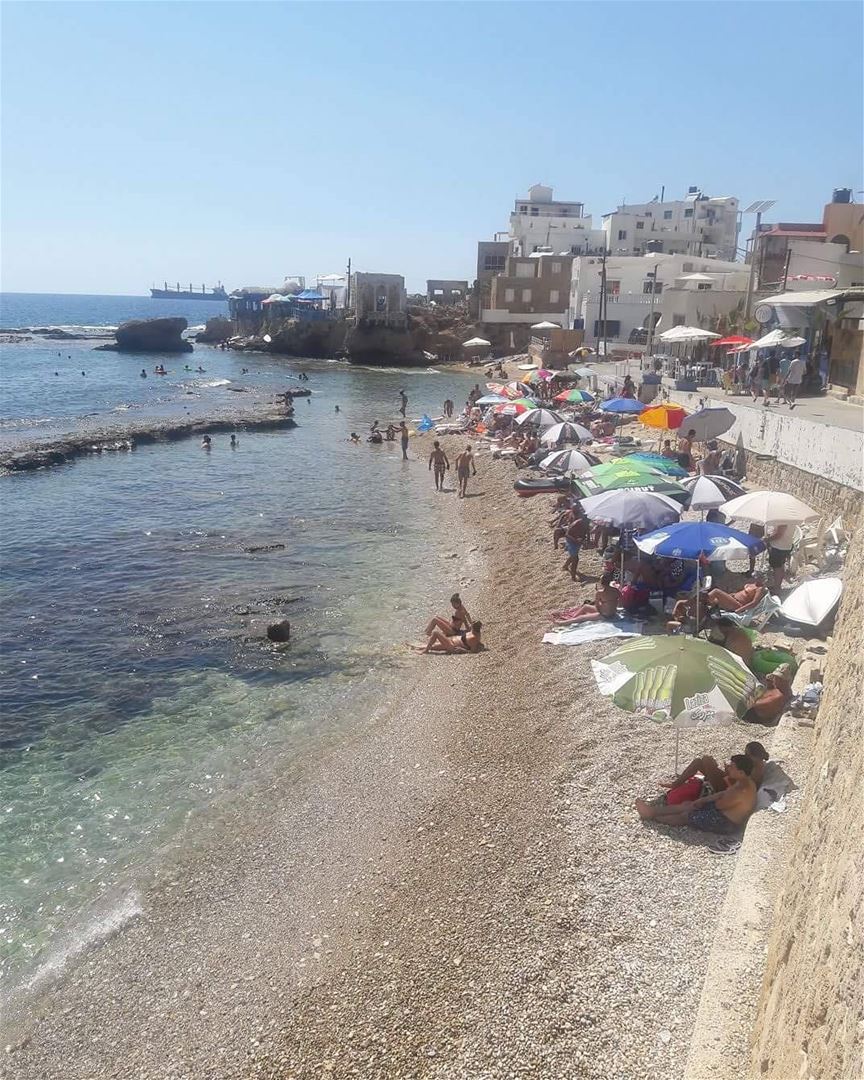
[150, 335]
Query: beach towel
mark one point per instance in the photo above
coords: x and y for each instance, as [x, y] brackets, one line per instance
[593, 631]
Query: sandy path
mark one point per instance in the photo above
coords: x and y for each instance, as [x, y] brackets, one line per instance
[465, 891]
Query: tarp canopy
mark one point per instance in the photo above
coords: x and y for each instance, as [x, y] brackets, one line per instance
[310, 294]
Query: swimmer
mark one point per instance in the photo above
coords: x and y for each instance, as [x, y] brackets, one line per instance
[143, 373]
[200, 370]
[206, 443]
[56, 372]
[234, 442]
[336, 408]
[186, 367]
[83, 372]
[354, 438]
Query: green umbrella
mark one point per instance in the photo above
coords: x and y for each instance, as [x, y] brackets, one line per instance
[645, 480]
[683, 679]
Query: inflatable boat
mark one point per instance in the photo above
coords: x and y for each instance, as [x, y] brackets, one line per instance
[545, 485]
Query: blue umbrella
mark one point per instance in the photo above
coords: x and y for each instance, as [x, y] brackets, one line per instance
[622, 405]
[693, 539]
[657, 461]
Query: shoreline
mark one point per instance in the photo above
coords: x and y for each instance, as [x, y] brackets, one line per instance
[462, 889]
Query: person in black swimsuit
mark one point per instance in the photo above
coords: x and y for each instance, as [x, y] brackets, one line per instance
[464, 641]
[460, 619]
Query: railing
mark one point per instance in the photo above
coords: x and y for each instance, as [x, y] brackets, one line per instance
[624, 298]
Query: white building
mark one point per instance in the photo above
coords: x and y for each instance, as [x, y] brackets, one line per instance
[815, 265]
[694, 225]
[686, 292]
[539, 221]
[335, 288]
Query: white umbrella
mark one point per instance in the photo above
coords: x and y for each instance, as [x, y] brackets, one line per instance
[812, 602]
[630, 509]
[687, 333]
[709, 492]
[709, 423]
[567, 461]
[774, 338]
[793, 343]
[492, 399]
[546, 326]
[567, 432]
[543, 418]
[475, 341]
[768, 508]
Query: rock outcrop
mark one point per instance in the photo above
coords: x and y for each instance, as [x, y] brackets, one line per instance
[150, 335]
[216, 330]
[279, 631]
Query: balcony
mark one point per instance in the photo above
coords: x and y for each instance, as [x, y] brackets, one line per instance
[624, 298]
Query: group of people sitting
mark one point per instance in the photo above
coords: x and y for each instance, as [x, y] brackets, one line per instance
[709, 798]
[457, 634]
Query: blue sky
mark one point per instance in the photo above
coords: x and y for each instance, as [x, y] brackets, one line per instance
[247, 141]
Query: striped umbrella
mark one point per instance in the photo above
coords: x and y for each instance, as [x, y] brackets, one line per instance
[542, 418]
[564, 461]
[575, 396]
[663, 416]
[511, 408]
[709, 492]
[658, 462]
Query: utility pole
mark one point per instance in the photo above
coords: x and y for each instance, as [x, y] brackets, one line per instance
[758, 208]
[786, 268]
[603, 301]
[652, 274]
[348, 289]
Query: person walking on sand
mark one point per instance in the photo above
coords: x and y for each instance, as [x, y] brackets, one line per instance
[438, 461]
[403, 439]
[464, 467]
[403, 402]
[574, 537]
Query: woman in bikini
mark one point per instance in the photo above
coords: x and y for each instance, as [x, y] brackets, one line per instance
[465, 641]
[460, 619]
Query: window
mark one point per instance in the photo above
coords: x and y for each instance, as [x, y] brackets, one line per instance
[556, 268]
[667, 215]
[523, 209]
[622, 234]
[437, 292]
[649, 213]
[677, 320]
[613, 288]
[613, 328]
[526, 296]
[553, 296]
[494, 263]
[688, 212]
[640, 224]
[509, 296]
[657, 287]
[534, 211]
[703, 286]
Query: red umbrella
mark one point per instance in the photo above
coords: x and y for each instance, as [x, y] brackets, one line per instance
[734, 339]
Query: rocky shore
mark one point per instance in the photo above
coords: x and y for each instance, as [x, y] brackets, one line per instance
[61, 451]
[463, 890]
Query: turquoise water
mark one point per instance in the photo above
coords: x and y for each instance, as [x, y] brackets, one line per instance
[135, 686]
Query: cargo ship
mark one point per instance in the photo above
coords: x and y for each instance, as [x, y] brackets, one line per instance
[216, 293]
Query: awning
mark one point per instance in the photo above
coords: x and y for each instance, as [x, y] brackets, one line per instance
[811, 297]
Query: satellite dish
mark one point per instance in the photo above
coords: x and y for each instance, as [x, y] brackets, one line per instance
[267, 338]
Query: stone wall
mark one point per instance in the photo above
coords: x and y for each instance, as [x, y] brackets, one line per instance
[833, 500]
[811, 1012]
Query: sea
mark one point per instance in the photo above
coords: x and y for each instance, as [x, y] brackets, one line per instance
[137, 690]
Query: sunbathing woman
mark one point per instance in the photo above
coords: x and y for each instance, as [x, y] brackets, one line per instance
[604, 606]
[466, 641]
[460, 620]
[748, 596]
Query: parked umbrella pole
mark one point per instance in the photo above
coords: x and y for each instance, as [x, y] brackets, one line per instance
[677, 746]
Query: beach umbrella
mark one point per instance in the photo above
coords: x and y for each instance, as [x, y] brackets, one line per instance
[515, 390]
[733, 339]
[566, 431]
[510, 408]
[768, 508]
[709, 423]
[709, 492]
[475, 343]
[574, 396]
[495, 387]
[687, 333]
[564, 461]
[686, 680]
[492, 399]
[583, 350]
[812, 602]
[639, 481]
[663, 416]
[631, 509]
[622, 405]
[543, 418]
[658, 462]
[695, 539]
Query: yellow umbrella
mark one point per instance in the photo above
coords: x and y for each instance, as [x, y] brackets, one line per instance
[663, 416]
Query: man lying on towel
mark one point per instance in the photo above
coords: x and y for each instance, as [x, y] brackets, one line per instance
[724, 812]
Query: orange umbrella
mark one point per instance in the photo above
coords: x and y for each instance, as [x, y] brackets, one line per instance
[663, 416]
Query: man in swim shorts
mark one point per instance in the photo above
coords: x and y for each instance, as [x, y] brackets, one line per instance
[724, 812]
[403, 437]
[465, 466]
[438, 461]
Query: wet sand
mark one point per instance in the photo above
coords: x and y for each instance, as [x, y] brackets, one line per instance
[463, 891]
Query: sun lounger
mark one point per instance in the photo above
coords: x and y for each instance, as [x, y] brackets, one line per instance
[756, 616]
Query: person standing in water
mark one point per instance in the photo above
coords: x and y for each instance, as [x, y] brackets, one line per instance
[234, 442]
[403, 438]
[403, 402]
[465, 466]
[438, 461]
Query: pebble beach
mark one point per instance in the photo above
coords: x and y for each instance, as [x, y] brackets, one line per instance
[464, 890]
